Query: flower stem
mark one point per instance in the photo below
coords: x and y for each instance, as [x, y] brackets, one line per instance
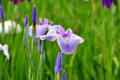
[58, 76]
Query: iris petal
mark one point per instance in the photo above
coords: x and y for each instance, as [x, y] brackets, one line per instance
[51, 35]
[68, 46]
[40, 30]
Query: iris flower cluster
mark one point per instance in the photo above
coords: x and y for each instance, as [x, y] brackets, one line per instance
[108, 3]
[67, 40]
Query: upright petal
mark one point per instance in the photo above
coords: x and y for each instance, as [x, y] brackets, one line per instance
[40, 21]
[68, 46]
[58, 66]
[45, 21]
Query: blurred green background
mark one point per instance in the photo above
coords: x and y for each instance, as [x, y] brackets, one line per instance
[98, 58]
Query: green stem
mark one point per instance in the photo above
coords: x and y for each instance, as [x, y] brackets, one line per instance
[58, 76]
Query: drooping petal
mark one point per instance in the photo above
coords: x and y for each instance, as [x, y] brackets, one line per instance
[40, 30]
[69, 45]
[51, 35]
[58, 66]
[64, 75]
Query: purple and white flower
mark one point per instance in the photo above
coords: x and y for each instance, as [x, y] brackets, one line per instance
[67, 41]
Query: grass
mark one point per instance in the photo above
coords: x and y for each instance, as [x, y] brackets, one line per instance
[98, 58]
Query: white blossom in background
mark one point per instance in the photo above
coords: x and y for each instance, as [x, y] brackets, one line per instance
[86, 0]
[4, 48]
[10, 26]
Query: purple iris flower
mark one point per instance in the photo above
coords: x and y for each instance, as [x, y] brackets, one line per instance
[26, 21]
[64, 75]
[5, 50]
[108, 3]
[58, 66]
[34, 18]
[17, 1]
[40, 29]
[67, 41]
[2, 12]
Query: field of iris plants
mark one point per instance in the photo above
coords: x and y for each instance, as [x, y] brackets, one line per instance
[59, 40]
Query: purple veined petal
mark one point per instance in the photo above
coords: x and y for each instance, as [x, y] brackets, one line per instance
[0, 1]
[5, 49]
[58, 66]
[115, 2]
[69, 45]
[51, 35]
[40, 30]
[108, 3]
[64, 75]
[69, 32]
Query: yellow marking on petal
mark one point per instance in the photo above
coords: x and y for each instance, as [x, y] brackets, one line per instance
[66, 38]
